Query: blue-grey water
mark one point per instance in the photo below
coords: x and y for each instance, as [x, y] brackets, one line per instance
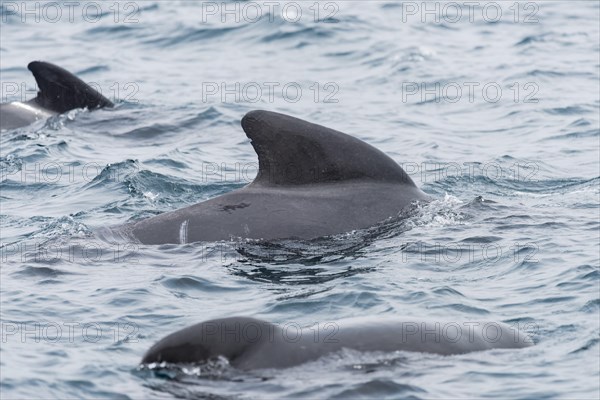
[494, 113]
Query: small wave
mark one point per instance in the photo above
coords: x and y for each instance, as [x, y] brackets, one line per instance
[590, 344]
[120, 31]
[217, 368]
[192, 284]
[592, 133]
[463, 308]
[592, 306]
[315, 33]
[162, 191]
[93, 70]
[442, 212]
[448, 291]
[183, 36]
[40, 272]
[569, 110]
[60, 229]
[114, 173]
[381, 388]
[291, 275]
[554, 186]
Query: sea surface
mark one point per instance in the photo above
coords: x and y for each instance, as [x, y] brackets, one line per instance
[491, 107]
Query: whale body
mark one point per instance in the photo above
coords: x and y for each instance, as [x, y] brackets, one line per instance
[249, 343]
[59, 91]
[312, 181]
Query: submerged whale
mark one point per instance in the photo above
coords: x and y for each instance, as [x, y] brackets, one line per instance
[59, 92]
[249, 343]
[312, 181]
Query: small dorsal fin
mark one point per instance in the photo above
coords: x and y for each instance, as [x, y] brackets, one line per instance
[61, 91]
[296, 152]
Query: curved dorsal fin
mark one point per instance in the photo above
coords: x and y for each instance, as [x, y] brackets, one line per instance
[61, 91]
[296, 152]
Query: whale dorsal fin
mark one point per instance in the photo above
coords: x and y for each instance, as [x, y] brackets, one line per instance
[61, 91]
[296, 152]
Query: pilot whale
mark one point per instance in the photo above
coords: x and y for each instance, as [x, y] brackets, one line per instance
[59, 92]
[249, 343]
[312, 181]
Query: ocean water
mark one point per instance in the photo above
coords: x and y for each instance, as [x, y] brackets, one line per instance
[492, 108]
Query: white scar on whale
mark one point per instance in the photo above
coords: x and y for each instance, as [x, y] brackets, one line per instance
[183, 232]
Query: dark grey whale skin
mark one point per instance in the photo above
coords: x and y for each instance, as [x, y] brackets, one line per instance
[249, 343]
[59, 92]
[312, 181]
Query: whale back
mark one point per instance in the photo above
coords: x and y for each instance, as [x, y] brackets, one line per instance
[250, 343]
[61, 91]
[292, 151]
[226, 337]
